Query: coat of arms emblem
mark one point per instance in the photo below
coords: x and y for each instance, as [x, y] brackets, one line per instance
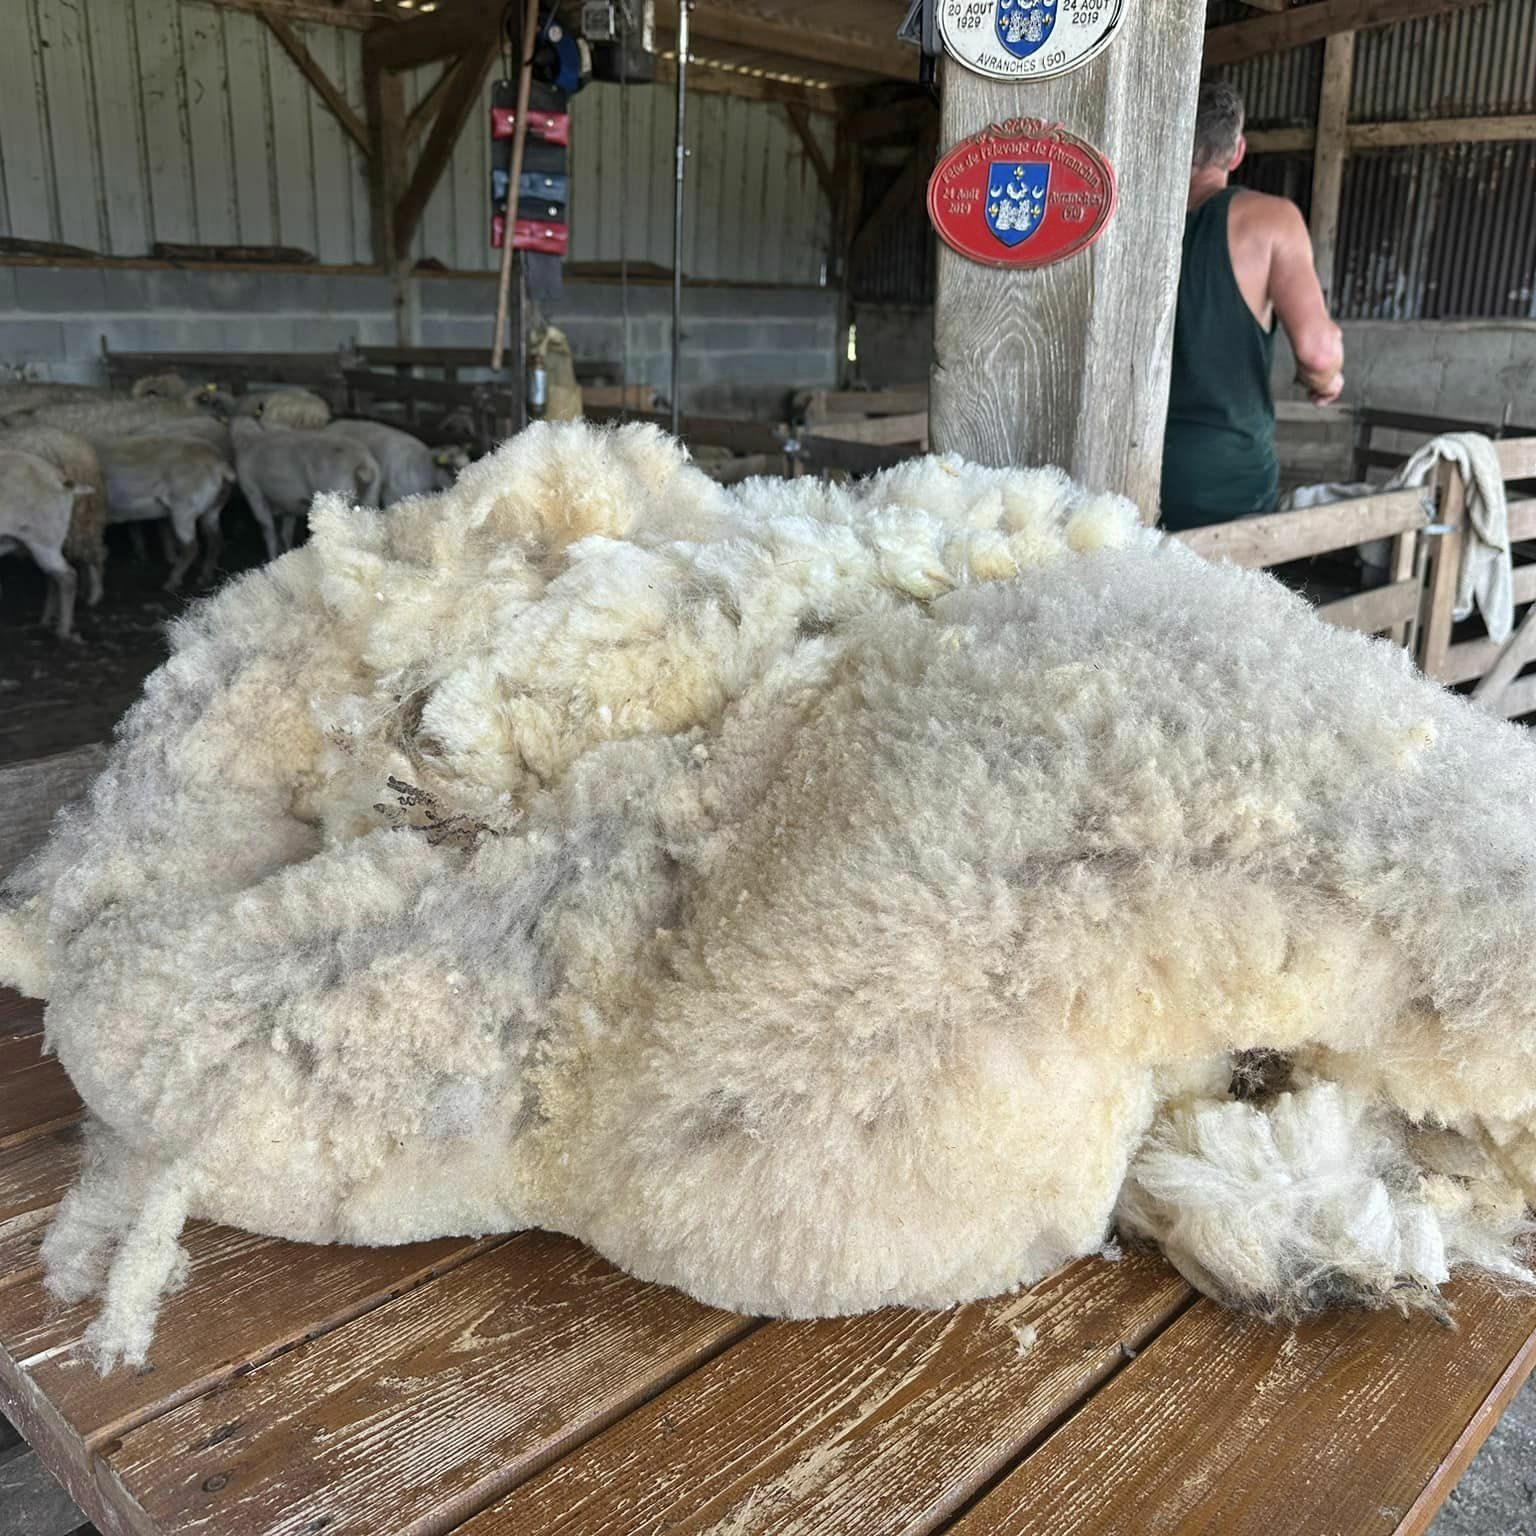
[1016, 199]
[1024, 25]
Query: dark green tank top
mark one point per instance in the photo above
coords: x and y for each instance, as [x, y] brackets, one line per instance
[1219, 452]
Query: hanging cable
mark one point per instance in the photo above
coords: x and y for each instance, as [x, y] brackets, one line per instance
[623, 204]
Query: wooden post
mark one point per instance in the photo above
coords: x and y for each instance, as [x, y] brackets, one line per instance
[1445, 567]
[1330, 154]
[1070, 364]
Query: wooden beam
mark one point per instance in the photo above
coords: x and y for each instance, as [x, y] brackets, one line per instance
[748, 24]
[293, 46]
[1331, 152]
[458, 102]
[1258, 542]
[1240, 40]
[801, 123]
[713, 78]
[384, 93]
[1070, 364]
[1439, 130]
[356, 15]
[438, 36]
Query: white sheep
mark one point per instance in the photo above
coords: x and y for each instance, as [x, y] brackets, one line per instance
[406, 465]
[287, 407]
[179, 479]
[99, 420]
[282, 470]
[77, 462]
[817, 897]
[36, 504]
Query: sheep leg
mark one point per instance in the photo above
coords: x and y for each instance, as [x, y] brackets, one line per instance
[289, 523]
[62, 581]
[211, 535]
[95, 578]
[136, 538]
[170, 540]
[262, 513]
[184, 531]
[149, 1262]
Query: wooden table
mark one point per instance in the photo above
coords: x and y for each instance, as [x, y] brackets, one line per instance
[519, 1385]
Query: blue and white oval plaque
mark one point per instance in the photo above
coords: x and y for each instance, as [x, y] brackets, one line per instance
[1027, 39]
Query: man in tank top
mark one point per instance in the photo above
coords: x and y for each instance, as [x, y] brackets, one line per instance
[1247, 262]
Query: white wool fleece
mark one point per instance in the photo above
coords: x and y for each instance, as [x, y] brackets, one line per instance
[815, 897]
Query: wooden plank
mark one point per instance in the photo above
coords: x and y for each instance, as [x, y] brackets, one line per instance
[878, 429]
[883, 1423]
[1374, 611]
[828, 404]
[36, 1094]
[18, 1014]
[384, 95]
[1454, 130]
[1262, 541]
[426, 109]
[1518, 699]
[1469, 659]
[34, 1176]
[1332, 150]
[1237, 41]
[1522, 518]
[1444, 566]
[1070, 364]
[249, 108]
[247, 1299]
[709, 431]
[745, 24]
[1517, 458]
[459, 100]
[359, 15]
[34, 791]
[422, 1412]
[309, 67]
[426, 38]
[1517, 652]
[1232, 1425]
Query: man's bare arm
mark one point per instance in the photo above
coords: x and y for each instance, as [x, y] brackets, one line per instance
[1298, 299]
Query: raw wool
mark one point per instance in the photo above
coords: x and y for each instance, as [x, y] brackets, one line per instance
[812, 896]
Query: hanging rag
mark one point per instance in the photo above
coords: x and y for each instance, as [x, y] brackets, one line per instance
[1486, 577]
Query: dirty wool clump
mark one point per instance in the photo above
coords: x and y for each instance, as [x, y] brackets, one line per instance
[814, 897]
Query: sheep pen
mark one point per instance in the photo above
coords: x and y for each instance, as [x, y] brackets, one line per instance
[817, 898]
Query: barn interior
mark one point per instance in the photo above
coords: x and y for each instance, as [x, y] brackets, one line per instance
[258, 193]
[261, 196]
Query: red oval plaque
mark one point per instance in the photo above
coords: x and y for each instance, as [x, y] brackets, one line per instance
[1024, 193]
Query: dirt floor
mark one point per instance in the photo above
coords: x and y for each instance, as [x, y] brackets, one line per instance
[57, 696]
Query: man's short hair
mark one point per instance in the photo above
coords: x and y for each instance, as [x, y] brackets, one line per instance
[1218, 125]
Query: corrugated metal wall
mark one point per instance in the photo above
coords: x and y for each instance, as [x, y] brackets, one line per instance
[1429, 231]
[124, 122]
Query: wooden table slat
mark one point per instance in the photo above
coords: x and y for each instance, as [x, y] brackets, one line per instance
[36, 1094]
[1231, 1427]
[417, 1415]
[247, 1298]
[18, 1013]
[887, 1422]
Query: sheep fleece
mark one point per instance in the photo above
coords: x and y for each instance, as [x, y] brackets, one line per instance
[814, 897]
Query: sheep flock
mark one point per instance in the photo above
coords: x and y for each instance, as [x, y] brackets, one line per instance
[75, 460]
[815, 897]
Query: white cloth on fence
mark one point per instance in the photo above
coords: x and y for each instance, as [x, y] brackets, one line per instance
[1486, 577]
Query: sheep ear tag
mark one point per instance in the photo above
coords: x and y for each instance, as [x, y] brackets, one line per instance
[1027, 39]
[1024, 193]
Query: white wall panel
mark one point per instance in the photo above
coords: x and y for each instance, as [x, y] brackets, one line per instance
[123, 122]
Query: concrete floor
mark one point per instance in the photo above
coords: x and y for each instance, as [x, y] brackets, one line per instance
[1496, 1497]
